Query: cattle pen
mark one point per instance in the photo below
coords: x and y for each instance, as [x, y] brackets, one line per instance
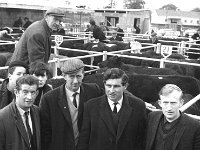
[57, 61]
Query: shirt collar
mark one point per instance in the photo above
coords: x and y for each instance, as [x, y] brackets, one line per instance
[119, 102]
[21, 111]
[70, 93]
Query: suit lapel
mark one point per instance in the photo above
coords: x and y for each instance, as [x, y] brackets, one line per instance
[154, 126]
[19, 123]
[64, 105]
[82, 96]
[179, 132]
[105, 114]
[126, 111]
[37, 125]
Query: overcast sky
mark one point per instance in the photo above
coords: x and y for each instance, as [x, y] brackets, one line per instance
[93, 4]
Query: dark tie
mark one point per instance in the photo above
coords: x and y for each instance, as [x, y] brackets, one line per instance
[115, 107]
[30, 135]
[74, 99]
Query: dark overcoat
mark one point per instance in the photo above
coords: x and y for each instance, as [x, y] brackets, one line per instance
[98, 132]
[187, 136]
[13, 135]
[35, 44]
[56, 122]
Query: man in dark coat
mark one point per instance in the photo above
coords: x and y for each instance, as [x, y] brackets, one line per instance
[170, 129]
[196, 36]
[35, 43]
[19, 121]
[119, 30]
[97, 32]
[114, 121]
[62, 108]
[115, 37]
[16, 69]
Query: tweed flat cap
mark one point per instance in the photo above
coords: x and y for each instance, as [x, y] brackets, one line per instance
[55, 12]
[72, 66]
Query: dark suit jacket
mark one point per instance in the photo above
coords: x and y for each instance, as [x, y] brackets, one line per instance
[4, 99]
[98, 131]
[98, 33]
[56, 123]
[35, 44]
[120, 30]
[187, 136]
[13, 135]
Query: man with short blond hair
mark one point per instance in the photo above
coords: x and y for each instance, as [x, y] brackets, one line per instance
[170, 129]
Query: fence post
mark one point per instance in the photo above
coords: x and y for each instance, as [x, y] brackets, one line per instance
[55, 66]
[182, 49]
[157, 49]
[104, 55]
[162, 63]
[56, 52]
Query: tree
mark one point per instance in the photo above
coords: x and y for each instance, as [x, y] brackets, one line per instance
[134, 4]
[169, 7]
[196, 9]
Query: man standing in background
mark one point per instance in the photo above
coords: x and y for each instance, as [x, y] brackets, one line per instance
[35, 43]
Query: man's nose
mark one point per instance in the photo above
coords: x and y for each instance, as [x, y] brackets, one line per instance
[75, 80]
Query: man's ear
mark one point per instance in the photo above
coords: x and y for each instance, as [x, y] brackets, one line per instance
[15, 92]
[182, 102]
[9, 75]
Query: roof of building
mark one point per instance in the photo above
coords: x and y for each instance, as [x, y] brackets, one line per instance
[178, 14]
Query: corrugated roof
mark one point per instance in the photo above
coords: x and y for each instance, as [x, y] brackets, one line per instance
[178, 14]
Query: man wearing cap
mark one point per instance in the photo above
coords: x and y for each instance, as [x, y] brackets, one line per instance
[115, 37]
[97, 32]
[16, 69]
[154, 39]
[62, 108]
[196, 36]
[35, 43]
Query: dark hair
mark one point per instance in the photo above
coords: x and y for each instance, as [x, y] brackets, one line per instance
[92, 22]
[15, 64]
[39, 69]
[115, 73]
[26, 79]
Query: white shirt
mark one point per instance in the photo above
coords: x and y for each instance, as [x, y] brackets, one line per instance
[21, 112]
[119, 105]
[71, 97]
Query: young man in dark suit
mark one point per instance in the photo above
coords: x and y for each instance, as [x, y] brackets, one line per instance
[62, 108]
[16, 69]
[170, 129]
[114, 121]
[19, 121]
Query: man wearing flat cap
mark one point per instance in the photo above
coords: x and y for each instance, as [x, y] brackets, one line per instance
[35, 43]
[196, 36]
[16, 69]
[62, 108]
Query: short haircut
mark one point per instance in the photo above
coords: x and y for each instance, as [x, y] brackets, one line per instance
[26, 79]
[168, 89]
[115, 73]
[92, 22]
[14, 64]
[39, 69]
